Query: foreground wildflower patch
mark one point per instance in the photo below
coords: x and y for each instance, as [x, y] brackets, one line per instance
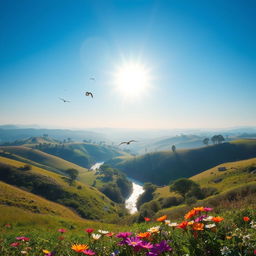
[200, 233]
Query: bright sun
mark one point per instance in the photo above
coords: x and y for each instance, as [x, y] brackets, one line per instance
[132, 79]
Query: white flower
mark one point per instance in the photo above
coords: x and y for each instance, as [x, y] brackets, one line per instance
[104, 232]
[154, 229]
[96, 236]
[23, 252]
[167, 222]
[225, 250]
[173, 224]
[208, 218]
[253, 224]
[210, 226]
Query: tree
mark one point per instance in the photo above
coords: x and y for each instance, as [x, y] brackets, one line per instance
[220, 138]
[183, 186]
[206, 141]
[72, 173]
[173, 148]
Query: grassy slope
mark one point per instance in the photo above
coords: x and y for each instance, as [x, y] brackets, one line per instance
[46, 161]
[161, 167]
[96, 202]
[235, 176]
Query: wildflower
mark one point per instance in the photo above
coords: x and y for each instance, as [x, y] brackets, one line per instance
[133, 241]
[162, 218]
[23, 252]
[253, 224]
[207, 209]
[173, 224]
[115, 253]
[167, 222]
[198, 219]
[46, 251]
[89, 230]
[146, 219]
[228, 237]
[210, 226]
[7, 225]
[79, 247]
[146, 245]
[144, 235]
[254, 252]
[96, 236]
[190, 223]
[225, 250]
[16, 244]
[23, 238]
[88, 252]
[104, 232]
[62, 230]
[246, 218]
[161, 248]
[110, 234]
[190, 214]
[208, 218]
[183, 225]
[198, 226]
[154, 229]
[123, 235]
[217, 219]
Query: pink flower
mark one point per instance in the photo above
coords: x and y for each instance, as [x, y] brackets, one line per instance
[62, 230]
[89, 230]
[88, 252]
[22, 238]
[16, 244]
[207, 209]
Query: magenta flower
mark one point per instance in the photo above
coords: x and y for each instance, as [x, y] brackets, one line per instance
[123, 234]
[207, 209]
[133, 241]
[22, 238]
[146, 245]
[199, 219]
[160, 248]
[88, 252]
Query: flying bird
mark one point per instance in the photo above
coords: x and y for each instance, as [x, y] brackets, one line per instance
[89, 94]
[92, 78]
[127, 142]
[64, 100]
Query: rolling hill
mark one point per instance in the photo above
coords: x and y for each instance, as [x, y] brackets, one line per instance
[162, 167]
[87, 201]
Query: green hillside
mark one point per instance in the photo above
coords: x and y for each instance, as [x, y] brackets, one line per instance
[83, 154]
[46, 161]
[162, 167]
[87, 201]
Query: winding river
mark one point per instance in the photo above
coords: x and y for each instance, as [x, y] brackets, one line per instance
[137, 190]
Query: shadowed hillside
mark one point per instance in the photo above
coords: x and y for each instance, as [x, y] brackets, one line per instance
[162, 167]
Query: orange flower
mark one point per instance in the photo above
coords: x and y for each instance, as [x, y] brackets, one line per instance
[163, 218]
[228, 237]
[246, 218]
[79, 247]
[217, 219]
[190, 214]
[199, 209]
[144, 235]
[183, 225]
[146, 219]
[110, 234]
[198, 226]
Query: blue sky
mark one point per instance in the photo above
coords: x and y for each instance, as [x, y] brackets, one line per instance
[201, 56]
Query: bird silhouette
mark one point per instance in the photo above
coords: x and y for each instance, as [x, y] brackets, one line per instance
[64, 100]
[127, 142]
[89, 94]
[92, 78]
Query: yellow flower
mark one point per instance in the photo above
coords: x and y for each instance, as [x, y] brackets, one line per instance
[46, 251]
[198, 226]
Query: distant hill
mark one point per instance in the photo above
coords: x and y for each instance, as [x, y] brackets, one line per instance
[87, 201]
[162, 167]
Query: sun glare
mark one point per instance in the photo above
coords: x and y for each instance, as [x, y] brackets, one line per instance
[132, 79]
